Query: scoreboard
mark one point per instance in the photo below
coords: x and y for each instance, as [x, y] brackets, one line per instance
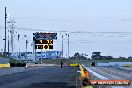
[44, 40]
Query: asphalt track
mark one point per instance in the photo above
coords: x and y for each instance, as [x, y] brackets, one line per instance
[47, 77]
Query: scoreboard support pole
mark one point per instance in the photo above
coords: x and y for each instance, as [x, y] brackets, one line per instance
[35, 55]
[34, 51]
[41, 55]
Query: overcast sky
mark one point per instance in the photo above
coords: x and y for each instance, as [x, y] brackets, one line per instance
[72, 16]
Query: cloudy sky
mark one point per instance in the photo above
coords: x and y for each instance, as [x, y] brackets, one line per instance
[93, 25]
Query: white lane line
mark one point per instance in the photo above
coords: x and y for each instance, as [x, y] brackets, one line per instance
[100, 76]
[96, 74]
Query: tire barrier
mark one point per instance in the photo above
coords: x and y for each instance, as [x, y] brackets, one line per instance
[17, 64]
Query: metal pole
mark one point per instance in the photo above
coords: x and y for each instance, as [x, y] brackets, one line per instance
[12, 32]
[33, 54]
[26, 51]
[68, 45]
[34, 57]
[5, 32]
[41, 54]
[8, 42]
[19, 46]
[62, 46]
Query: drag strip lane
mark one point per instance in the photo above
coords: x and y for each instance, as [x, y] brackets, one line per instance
[100, 76]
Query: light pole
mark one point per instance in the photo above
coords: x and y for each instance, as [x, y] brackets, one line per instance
[8, 43]
[62, 46]
[68, 44]
[26, 48]
[32, 44]
[19, 45]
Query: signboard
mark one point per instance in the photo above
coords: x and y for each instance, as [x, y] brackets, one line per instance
[53, 54]
[44, 40]
[38, 54]
[49, 54]
[44, 36]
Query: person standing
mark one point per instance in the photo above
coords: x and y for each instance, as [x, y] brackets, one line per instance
[61, 64]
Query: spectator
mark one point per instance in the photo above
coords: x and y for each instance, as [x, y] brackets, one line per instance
[61, 64]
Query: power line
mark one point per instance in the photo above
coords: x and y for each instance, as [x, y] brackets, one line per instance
[87, 41]
[73, 32]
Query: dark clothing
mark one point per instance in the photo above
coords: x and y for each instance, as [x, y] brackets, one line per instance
[86, 82]
[61, 64]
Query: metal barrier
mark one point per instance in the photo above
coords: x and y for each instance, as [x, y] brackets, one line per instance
[4, 65]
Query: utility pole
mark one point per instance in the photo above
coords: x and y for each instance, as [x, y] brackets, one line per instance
[5, 33]
[12, 23]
